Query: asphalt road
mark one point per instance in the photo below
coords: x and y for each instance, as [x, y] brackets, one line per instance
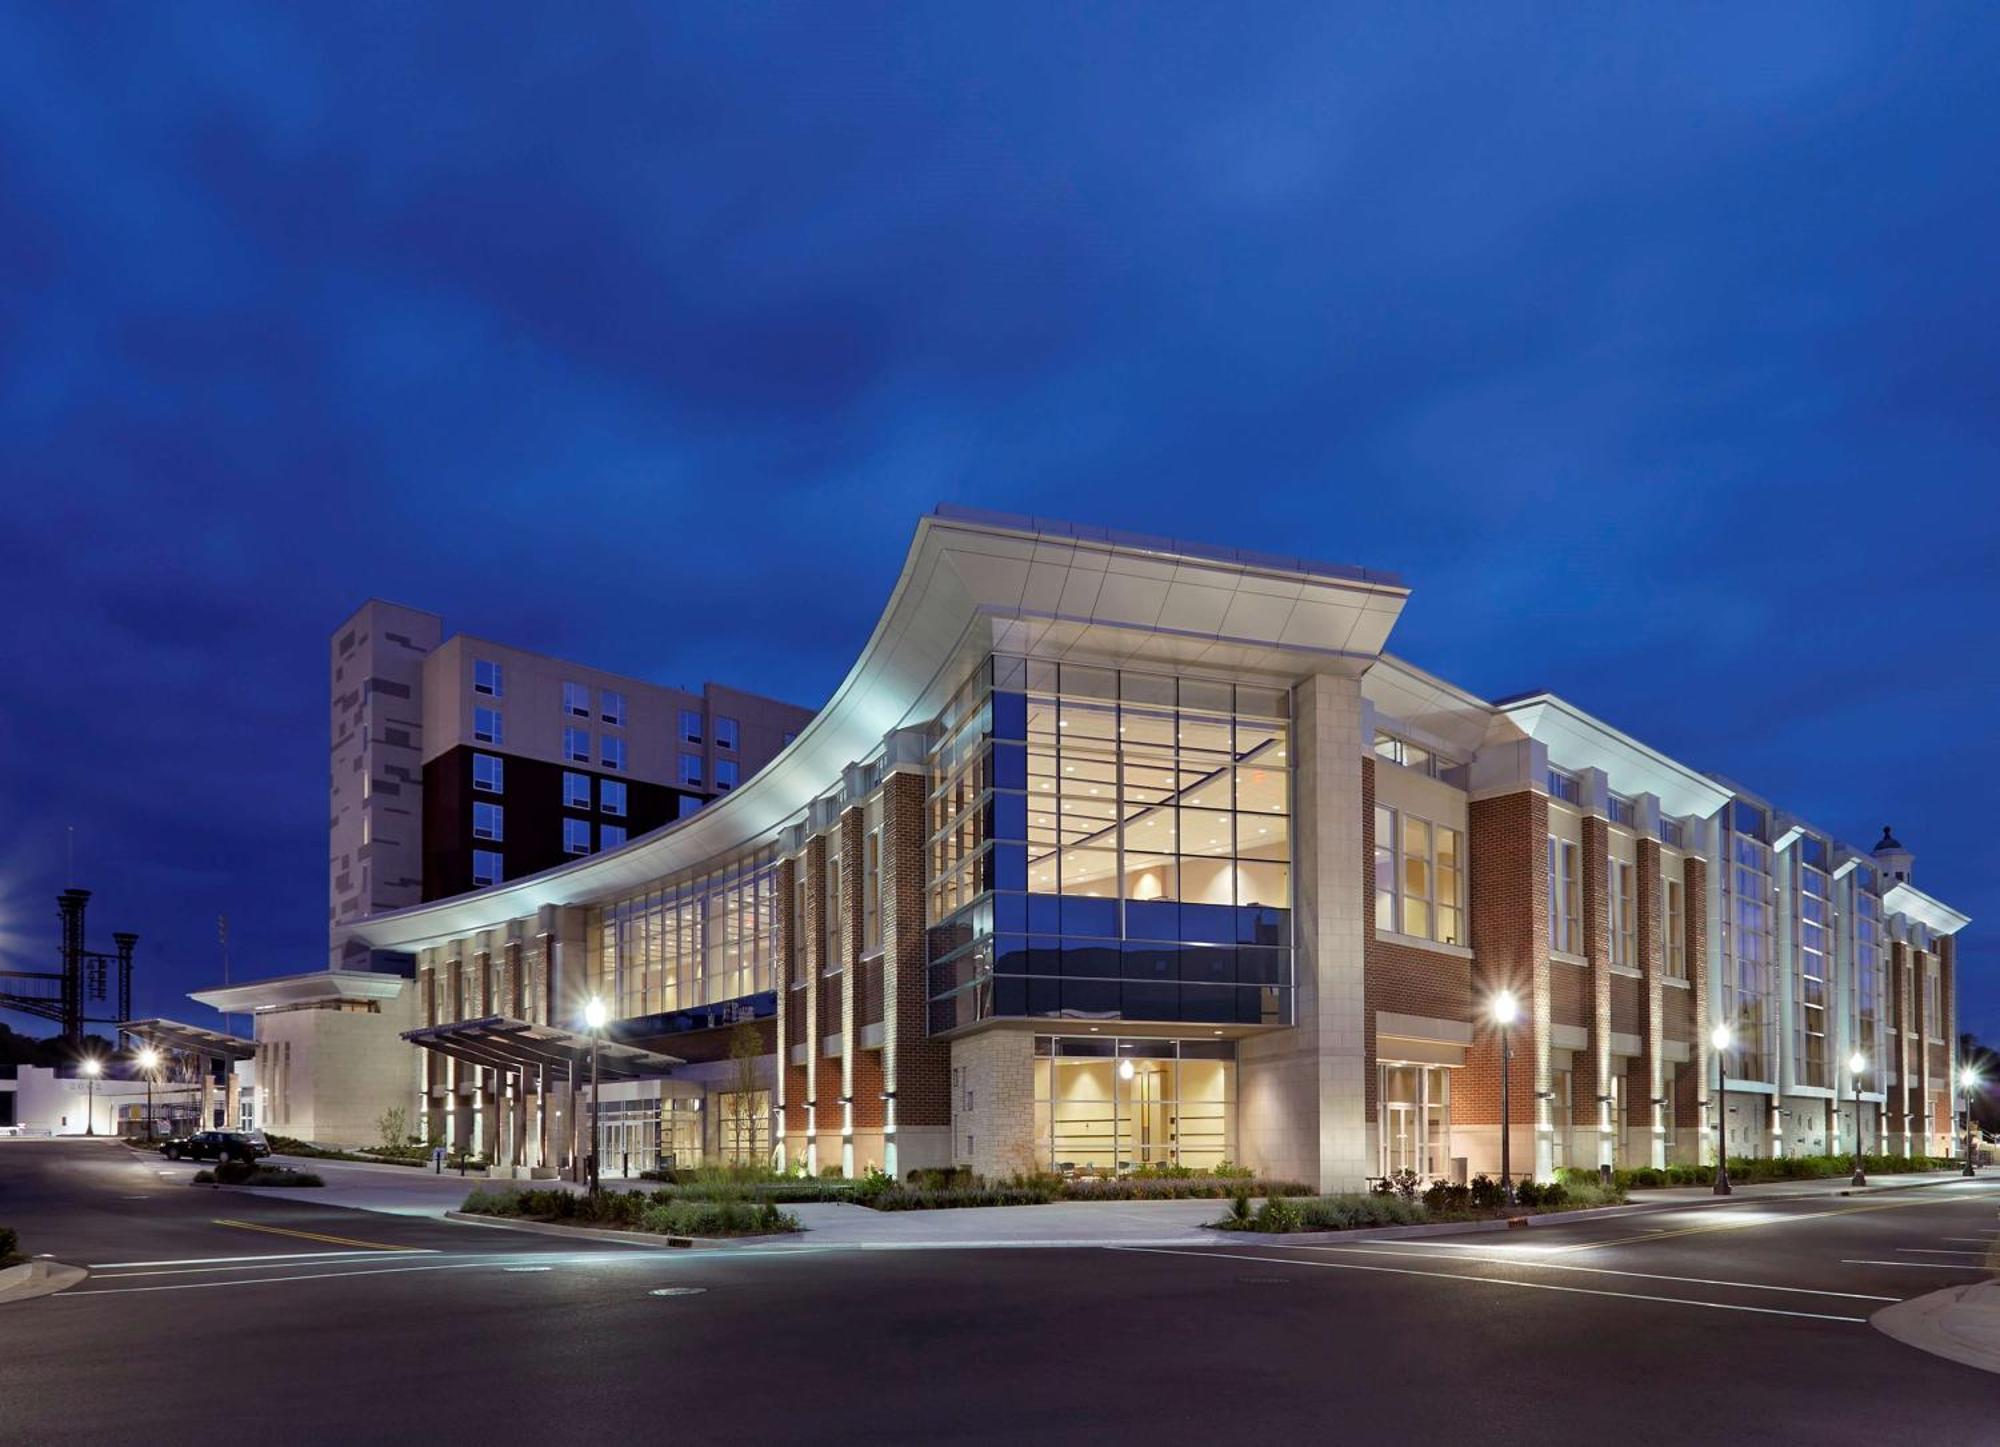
[1736, 1322]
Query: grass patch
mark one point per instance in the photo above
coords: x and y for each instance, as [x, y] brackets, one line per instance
[243, 1173]
[661, 1212]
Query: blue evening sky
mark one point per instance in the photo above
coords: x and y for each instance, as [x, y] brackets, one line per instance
[1658, 347]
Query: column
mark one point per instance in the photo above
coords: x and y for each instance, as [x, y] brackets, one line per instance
[1302, 1092]
[820, 1084]
[1590, 1100]
[1651, 1069]
[916, 1070]
[851, 843]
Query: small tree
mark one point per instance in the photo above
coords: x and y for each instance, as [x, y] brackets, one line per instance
[394, 1127]
[745, 1045]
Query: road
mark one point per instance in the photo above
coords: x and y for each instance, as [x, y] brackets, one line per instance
[1725, 1322]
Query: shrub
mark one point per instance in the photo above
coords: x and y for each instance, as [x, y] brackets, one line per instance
[1486, 1194]
[1345, 1212]
[244, 1173]
[10, 1246]
[1278, 1214]
[1447, 1199]
[939, 1178]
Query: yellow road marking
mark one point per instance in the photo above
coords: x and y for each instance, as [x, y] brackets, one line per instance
[310, 1235]
[1727, 1225]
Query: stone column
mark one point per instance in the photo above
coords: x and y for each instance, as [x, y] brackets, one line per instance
[853, 831]
[1302, 1091]
[1694, 928]
[1590, 1101]
[820, 1082]
[788, 1085]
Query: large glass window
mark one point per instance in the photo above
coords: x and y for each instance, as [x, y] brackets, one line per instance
[1748, 949]
[1419, 877]
[1814, 961]
[702, 940]
[1565, 897]
[1105, 1105]
[1106, 844]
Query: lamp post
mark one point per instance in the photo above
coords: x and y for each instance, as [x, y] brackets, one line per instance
[1968, 1081]
[1856, 1064]
[1720, 1039]
[90, 1068]
[594, 1015]
[1506, 1009]
[149, 1061]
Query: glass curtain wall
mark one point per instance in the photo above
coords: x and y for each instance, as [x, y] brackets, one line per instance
[697, 941]
[1868, 1020]
[1110, 844]
[1748, 948]
[1109, 1105]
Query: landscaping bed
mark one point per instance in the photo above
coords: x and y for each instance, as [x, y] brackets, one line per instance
[1746, 1171]
[950, 1189]
[654, 1212]
[242, 1173]
[1401, 1204]
[417, 1156]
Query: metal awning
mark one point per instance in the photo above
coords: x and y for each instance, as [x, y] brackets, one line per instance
[192, 1039]
[505, 1043]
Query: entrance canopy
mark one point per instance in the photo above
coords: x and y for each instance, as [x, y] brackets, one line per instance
[190, 1039]
[509, 1044]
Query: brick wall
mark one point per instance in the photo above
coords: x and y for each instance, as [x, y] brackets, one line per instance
[918, 1067]
[1591, 1066]
[1507, 858]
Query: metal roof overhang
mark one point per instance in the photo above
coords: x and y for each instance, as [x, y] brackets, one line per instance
[505, 1043]
[191, 1038]
[1036, 585]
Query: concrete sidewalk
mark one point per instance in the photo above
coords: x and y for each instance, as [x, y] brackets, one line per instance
[1769, 1190]
[1960, 1323]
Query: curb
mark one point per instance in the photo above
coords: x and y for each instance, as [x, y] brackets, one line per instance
[41, 1277]
[1960, 1323]
[1644, 1195]
[590, 1233]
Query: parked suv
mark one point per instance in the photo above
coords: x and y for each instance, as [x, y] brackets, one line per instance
[217, 1145]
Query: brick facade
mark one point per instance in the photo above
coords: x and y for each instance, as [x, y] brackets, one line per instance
[1507, 858]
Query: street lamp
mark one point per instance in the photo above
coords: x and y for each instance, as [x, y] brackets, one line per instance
[1721, 1038]
[594, 1016]
[1506, 1009]
[149, 1061]
[1856, 1064]
[91, 1066]
[1968, 1081]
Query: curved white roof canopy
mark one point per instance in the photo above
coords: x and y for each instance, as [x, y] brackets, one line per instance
[974, 583]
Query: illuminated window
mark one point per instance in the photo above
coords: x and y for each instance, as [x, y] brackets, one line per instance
[1565, 897]
[1419, 877]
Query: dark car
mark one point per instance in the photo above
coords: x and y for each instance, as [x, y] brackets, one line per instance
[217, 1145]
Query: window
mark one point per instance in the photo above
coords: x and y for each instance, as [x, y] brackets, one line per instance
[686, 806]
[1672, 835]
[488, 773]
[611, 796]
[1813, 952]
[1933, 1004]
[486, 677]
[1675, 894]
[725, 732]
[1748, 951]
[576, 700]
[611, 750]
[1566, 787]
[1425, 761]
[488, 821]
[576, 745]
[690, 774]
[1623, 810]
[486, 726]
[612, 703]
[576, 790]
[485, 867]
[1565, 902]
[1624, 914]
[836, 916]
[690, 726]
[610, 836]
[871, 886]
[725, 773]
[1868, 964]
[1418, 877]
[576, 836]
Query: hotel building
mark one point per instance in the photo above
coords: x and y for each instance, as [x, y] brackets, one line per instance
[1114, 850]
[458, 763]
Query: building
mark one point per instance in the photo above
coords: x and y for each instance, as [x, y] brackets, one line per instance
[458, 763]
[200, 1080]
[1115, 850]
